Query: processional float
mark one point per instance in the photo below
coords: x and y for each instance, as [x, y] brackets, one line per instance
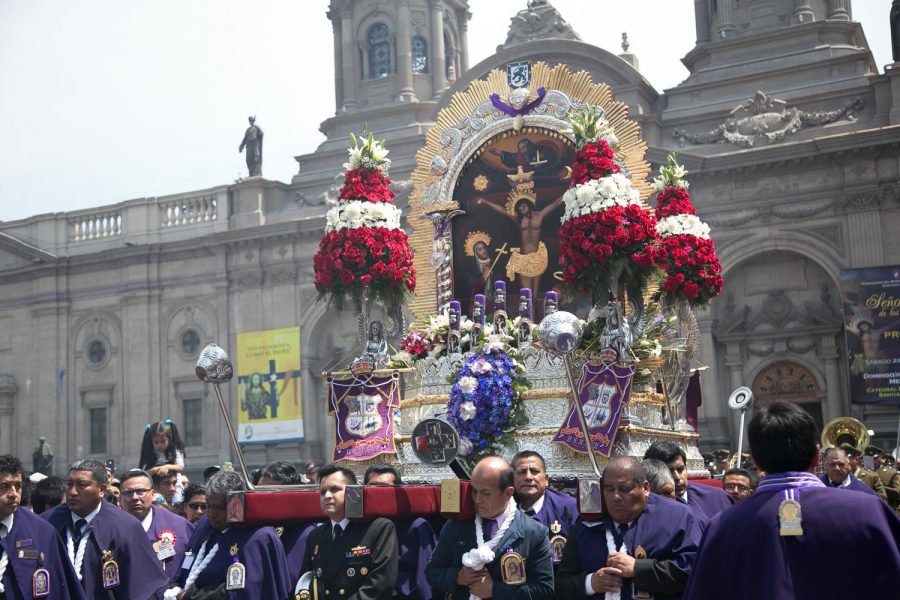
[552, 308]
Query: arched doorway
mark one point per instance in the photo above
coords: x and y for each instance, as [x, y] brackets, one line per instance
[792, 382]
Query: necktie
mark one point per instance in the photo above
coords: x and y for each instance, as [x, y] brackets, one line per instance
[490, 528]
[77, 530]
[530, 512]
[337, 531]
[836, 483]
[680, 499]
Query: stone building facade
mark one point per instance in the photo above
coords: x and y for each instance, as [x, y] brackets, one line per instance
[791, 135]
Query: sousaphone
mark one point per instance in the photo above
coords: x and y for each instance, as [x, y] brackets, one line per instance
[845, 430]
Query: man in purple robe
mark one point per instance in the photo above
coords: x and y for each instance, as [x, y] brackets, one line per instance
[31, 554]
[168, 534]
[645, 544]
[229, 562]
[293, 537]
[838, 475]
[705, 500]
[105, 544]
[554, 510]
[416, 540]
[778, 543]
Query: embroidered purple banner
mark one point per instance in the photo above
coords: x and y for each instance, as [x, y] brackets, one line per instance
[364, 410]
[603, 390]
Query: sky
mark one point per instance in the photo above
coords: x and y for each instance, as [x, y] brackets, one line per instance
[105, 101]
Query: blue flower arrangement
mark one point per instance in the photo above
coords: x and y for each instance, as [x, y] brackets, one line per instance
[486, 402]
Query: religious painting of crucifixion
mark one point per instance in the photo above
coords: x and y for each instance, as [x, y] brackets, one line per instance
[511, 192]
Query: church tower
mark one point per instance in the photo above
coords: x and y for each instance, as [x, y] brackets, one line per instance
[392, 61]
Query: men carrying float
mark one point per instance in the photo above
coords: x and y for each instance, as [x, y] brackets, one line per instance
[344, 559]
[230, 562]
[705, 500]
[168, 534]
[106, 546]
[415, 539]
[33, 563]
[779, 543]
[645, 544]
[501, 553]
[554, 510]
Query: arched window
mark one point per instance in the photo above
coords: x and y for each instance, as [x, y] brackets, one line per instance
[379, 51]
[419, 55]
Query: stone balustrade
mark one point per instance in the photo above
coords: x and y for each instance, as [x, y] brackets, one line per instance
[188, 210]
[95, 225]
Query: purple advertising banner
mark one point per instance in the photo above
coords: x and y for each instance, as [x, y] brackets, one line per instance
[603, 391]
[364, 409]
[871, 300]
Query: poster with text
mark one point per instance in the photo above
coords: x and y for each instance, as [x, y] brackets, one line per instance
[871, 300]
[269, 384]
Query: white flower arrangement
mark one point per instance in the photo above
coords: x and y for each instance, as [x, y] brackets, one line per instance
[468, 384]
[597, 195]
[370, 154]
[467, 410]
[591, 126]
[670, 174]
[362, 213]
[682, 224]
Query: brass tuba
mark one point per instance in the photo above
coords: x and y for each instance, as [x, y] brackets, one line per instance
[845, 430]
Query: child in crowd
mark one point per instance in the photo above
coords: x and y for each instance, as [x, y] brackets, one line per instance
[162, 451]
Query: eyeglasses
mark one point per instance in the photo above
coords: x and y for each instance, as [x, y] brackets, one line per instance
[140, 493]
[736, 486]
[197, 505]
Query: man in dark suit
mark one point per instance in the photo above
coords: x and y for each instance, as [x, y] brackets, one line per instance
[644, 544]
[344, 559]
[838, 475]
[705, 500]
[106, 545]
[500, 554]
[554, 510]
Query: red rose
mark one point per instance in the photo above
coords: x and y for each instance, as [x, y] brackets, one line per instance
[347, 277]
[691, 290]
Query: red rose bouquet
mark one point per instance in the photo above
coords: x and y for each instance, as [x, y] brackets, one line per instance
[364, 246]
[686, 253]
[608, 238]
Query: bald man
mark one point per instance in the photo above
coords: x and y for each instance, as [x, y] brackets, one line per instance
[644, 543]
[501, 553]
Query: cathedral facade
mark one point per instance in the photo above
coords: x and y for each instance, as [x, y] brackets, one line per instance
[790, 133]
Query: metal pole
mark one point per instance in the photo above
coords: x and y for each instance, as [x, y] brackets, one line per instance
[234, 442]
[740, 439]
[580, 412]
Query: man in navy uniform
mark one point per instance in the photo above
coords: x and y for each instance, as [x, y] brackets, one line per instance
[106, 545]
[705, 500]
[778, 543]
[344, 559]
[415, 539]
[644, 543]
[168, 534]
[33, 557]
[838, 475]
[554, 510]
[500, 554]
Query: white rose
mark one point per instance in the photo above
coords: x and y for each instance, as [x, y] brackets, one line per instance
[467, 411]
[584, 193]
[352, 210]
[607, 187]
[468, 384]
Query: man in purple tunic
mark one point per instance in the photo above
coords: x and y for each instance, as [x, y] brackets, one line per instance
[32, 556]
[705, 500]
[105, 544]
[778, 543]
[554, 510]
[416, 540]
[226, 562]
[168, 534]
[645, 544]
[838, 475]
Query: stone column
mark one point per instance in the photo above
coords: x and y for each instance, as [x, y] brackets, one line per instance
[864, 223]
[462, 21]
[404, 53]
[348, 50]
[338, 61]
[828, 354]
[735, 365]
[726, 19]
[439, 81]
[8, 390]
[839, 10]
[802, 12]
[701, 20]
[713, 408]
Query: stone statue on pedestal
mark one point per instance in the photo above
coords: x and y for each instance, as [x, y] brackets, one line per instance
[895, 30]
[253, 139]
[42, 457]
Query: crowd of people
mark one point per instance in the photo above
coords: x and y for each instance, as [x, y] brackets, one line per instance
[767, 532]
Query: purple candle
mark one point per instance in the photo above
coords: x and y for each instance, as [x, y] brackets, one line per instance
[551, 303]
[455, 310]
[478, 315]
[525, 310]
[499, 296]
